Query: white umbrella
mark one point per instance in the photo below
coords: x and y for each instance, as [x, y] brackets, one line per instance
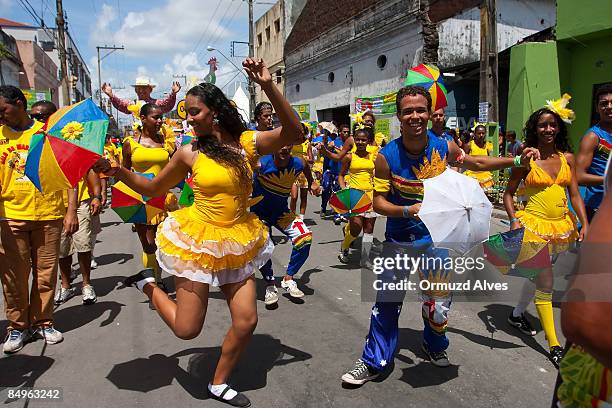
[330, 127]
[456, 211]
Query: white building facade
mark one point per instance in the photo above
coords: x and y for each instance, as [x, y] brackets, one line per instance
[368, 54]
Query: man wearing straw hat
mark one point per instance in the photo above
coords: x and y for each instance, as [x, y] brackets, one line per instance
[143, 88]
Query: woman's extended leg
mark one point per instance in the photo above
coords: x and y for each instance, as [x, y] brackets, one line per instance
[186, 315]
[241, 298]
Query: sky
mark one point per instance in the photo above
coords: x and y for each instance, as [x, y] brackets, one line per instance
[162, 38]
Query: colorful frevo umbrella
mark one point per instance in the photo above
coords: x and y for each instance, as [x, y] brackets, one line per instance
[513, 256]
[350, 201]
[186, 199]
[71, 141]
[133, 207]
[428, 76]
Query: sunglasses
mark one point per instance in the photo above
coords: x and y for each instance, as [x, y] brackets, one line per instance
[39, 117]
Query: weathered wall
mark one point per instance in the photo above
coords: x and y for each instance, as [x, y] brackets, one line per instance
[271, 49]
[350, 51]
[460, 35]
[40, 70]
[292, 10]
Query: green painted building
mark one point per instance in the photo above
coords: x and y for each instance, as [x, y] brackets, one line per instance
[576, 62]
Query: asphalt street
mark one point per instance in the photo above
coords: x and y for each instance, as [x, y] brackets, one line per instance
[119, 353]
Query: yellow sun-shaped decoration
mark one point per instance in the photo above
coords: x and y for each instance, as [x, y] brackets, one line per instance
[429, 170]
[72, 131]
[281, 183]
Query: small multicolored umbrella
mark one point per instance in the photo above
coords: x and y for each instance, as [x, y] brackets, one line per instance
[186, 199]
[512, 256]
[133, 207]
[71, 141]
[428, 76]
[350, 201]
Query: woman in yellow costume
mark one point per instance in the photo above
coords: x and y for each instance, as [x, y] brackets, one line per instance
[216, 241]
[359, 167]
[149, 152]
[480, 147]
[300, 187]
[547, 217]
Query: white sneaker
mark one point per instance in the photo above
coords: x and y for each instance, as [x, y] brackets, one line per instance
[94, 264]
[89, 295]
[15, 339]
[271, 295]
[49, 334]
[291, 287]
[63, 295]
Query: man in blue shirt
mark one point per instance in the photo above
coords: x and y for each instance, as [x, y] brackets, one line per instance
[438, 124]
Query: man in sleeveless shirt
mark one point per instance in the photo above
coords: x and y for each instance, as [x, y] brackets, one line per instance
[594, 152]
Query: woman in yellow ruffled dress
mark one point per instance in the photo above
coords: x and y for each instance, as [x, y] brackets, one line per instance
[480, 147]
[148, 153]
[547, 217]
[216, 241]
[358, 172]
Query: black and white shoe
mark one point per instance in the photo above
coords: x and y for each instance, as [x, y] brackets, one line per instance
[556, 355]
[142, 275]
[522, 324]
[239, 400]
[437, 358]
[360, 374]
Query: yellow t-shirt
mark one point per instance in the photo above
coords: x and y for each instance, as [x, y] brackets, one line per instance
[19, 198]
[83, 193]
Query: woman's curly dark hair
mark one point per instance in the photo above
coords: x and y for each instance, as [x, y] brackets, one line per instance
[530, 132]
[231, 121]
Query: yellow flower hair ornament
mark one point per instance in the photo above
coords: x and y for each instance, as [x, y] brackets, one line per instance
[559, 106]
[358, 119]
[476, 124]
[72, 131]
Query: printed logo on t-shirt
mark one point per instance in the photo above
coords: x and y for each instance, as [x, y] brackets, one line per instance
[15, 158]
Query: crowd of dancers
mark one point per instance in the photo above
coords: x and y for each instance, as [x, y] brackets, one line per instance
[247, 181]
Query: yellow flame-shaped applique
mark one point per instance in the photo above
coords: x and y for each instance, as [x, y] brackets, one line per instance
[559, 106]
[430, 169]
[72, 131]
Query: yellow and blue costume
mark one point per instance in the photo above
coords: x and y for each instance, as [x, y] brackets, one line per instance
[408, 235]
[300, 151]
[273, 184]
[216, 240]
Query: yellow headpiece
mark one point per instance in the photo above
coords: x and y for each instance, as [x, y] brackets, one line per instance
[559, 106]
[358, 119]
[476, 124]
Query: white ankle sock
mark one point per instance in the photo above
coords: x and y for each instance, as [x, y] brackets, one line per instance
[527, 294]
[140, 284]
[216, 390]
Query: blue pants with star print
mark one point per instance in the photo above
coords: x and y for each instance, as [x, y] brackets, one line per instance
[381, 341]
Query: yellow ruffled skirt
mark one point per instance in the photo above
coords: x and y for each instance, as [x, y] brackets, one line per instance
[209, 253]
[560, 233]
[485, 178]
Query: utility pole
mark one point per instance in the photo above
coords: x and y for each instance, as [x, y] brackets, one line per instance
[252, 102]
[112, 49]
[488, 59]
[61, 38]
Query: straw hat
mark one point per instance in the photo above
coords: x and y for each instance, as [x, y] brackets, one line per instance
[143, 81]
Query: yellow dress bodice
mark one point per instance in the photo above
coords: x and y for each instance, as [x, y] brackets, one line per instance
[148, 159]
[476, 150]
[361, 172]
[546, 198]
[219, 196]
